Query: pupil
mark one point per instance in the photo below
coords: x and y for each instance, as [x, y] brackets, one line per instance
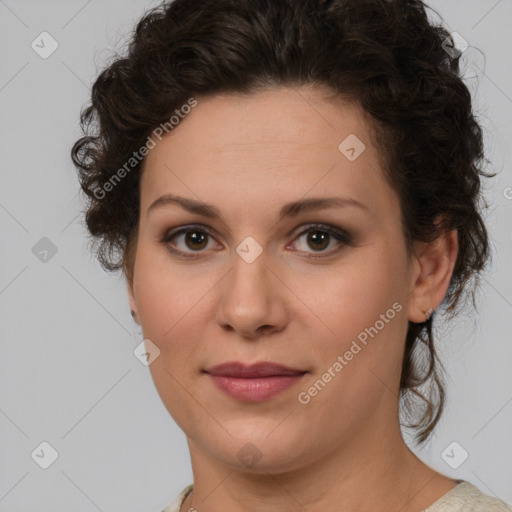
[195, 237]
[317, 237]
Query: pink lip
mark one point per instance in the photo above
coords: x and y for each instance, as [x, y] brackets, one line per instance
[253, 383]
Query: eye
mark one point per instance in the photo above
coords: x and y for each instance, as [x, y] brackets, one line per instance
[320, 236]
[187, 241]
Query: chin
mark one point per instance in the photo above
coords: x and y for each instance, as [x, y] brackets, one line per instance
[259, 450]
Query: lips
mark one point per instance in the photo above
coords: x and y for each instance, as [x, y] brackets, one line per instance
[253, 383]
[242, 371]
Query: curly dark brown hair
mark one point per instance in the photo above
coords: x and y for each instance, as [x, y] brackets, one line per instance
[383, 54]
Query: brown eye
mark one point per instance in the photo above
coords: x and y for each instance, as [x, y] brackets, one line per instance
[187, 241]
[318, 240]
[196, 240]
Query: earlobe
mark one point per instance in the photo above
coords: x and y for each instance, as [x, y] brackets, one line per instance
[435, 264]
[133, 305]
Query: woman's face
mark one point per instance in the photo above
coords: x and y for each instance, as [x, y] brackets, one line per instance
[253, 270]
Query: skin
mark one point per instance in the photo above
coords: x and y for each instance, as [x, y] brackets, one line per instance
[248, 156]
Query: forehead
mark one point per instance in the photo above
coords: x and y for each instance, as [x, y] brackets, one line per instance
[275, 144]
[280, 116]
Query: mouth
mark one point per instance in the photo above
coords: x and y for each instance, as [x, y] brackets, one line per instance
[264, 369]
[253, 383]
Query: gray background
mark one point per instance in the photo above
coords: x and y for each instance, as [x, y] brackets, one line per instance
[68, 373]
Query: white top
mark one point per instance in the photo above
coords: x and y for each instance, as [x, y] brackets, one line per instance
[464, 497]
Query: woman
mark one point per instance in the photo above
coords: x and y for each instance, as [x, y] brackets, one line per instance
[292, 189]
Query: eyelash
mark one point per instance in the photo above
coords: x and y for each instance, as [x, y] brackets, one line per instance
[338, 234]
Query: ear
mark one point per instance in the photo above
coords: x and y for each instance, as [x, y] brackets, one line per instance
[433, 267]
[133, 305]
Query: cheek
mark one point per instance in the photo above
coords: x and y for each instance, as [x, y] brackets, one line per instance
[160, 290]
[173, 308]
[362, 308]
[358, 292]
[360, 355]
[167, 309]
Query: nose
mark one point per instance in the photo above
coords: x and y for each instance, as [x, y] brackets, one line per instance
[252, 300]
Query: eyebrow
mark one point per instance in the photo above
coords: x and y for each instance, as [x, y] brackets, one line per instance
[288, 210]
